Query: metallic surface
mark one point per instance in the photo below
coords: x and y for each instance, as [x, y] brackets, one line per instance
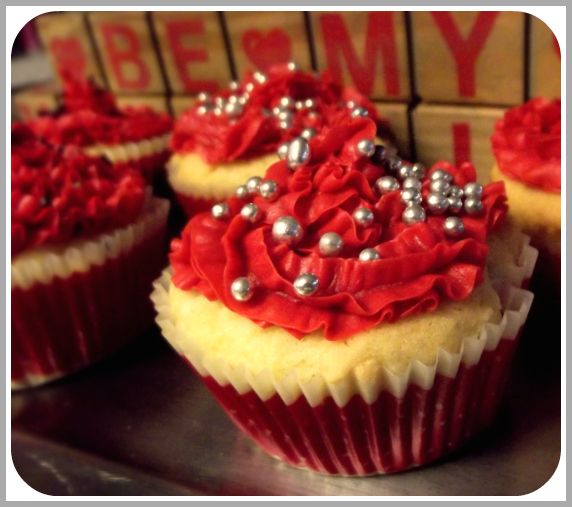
[141, 423]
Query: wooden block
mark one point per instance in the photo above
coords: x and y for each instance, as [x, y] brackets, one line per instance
[398, 117]
[30, 103]
[260, 39]
[367, 50]
[456, 134]
[126, 48]
[156, 102]
[66, 40]
[193, 49]
[544, 67]
[179, 104]
[469, 56]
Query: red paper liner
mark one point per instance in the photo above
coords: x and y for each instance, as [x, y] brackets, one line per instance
[69, 323]
[390, 435]
[193, 205]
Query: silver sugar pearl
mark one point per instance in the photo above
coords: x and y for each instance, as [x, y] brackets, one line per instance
[413, 214]
[250, 212]
[363, 216]
[456, 192]
[220, 211]
[249, 87]
[350, 104]
[241, 192]
[276, 110]
[366, 147]
[259, 77]
[473, 189]
[234, 85]
[284, 115]
[298, 153]
[299, 105]
[411, 182]
[283, 150]
[455, 204]
[203, 96]
[268, 189]
[441, 174]
[410, 196]
[473, 206]
[418, 170]
[405, 171]
[359, 112]
[368, 254]
[217, 111]
[285, 124]
[440, 186]
[394, 163]
[202, 110]
[306, 284]
[232, 99]
[286, 102]
[331, 243]
[252, 184]
[241, 289]
[308, 133]
[453, 227]
[233, 109]
[386, 184]
[243, 100]
[219, 101]
[437, 203]
[287, 230]
[292, 66]
[309, 104]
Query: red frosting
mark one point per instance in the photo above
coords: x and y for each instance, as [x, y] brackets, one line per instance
[526, 144]
[256, 132]
[419, 265]
[89, 115]
[61, 194]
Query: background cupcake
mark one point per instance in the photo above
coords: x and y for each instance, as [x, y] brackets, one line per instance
[227, 138]
[90, 118]
[526, 146]
[87, 241]
[348, 321]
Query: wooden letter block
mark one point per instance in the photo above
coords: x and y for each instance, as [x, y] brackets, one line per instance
[260, 39]
[544, 61]
[156, 102]
[469, 56]
[193, 49]
[30, 103]
[398, 118]
[180, 104]
[65, 39]
[367, 50]
[126, 49]
[456, 134]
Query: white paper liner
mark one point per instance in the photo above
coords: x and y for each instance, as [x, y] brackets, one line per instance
[126, 152]
[43, 264]
[515, 303]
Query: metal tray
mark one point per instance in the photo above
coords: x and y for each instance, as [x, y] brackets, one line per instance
[141, 423]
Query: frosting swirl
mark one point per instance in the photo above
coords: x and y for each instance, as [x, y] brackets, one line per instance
[61, 194]
[89, 115]
[526, 143]
[419, 266]
[220, 138]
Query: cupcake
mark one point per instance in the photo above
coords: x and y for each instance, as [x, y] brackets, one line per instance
[355, 320]
[90, 118]
[87, 243]
[224, 139]
[526, 146]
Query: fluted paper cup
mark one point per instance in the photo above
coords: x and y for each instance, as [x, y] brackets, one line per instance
[73, 307]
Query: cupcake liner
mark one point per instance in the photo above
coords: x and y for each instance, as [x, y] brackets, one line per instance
[72, 308]
[193, 205]
[358, 426]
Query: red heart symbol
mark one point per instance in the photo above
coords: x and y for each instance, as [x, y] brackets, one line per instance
[69, 56]
[266, 50]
